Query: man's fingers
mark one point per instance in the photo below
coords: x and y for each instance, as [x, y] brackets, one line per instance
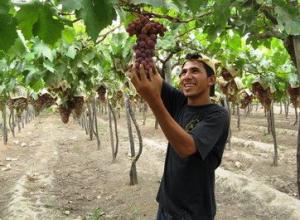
[142, 72]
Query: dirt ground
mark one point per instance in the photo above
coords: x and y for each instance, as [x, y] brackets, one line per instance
[53, 171]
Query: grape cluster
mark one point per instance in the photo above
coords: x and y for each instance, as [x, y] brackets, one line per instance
[146, 32]
[246, 99]
[101, 93]
[263, 95]
[19, 104]
[78, 105]
[43, 101]
[226, 74]
[65, 110]
[294, 95]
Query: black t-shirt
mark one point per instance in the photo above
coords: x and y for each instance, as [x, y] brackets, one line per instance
[187, 187]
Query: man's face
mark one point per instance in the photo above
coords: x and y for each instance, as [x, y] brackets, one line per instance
[194, 81]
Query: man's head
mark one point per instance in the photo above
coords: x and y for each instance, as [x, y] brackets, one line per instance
[208, 64]
[197, 77]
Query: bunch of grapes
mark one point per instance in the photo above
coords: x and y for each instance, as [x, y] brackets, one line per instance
[78, 105]
[146, 32]
[65, 110]
[294, 95]
[43, 101]
[246, 99]
[101, 93]
[20, 104]
[226, 74]
[229, 89]
[263, 95]
[10, 104]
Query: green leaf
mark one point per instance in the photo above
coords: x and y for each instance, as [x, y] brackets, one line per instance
[71, 5]
[47, 28]
[222, 12]
[49, 66]
[155, 3]
[38, 85]
[31, 77]
[212, 32]
[71, 52]
[2, 87]
[11, 84]
[97, 14]
[4, 6]
[8, 31]
[18, 48]
[88, 57]
[235, 42]
[43, 50]
[125, 17]
[68, 34]
[279, 58]
[289, 21]
[179, 3]
[27, 16]
[194, 5]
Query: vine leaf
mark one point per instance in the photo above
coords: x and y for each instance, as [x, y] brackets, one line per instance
[8, 31]
[39, 20]
[71, 5]
[289, 21]
[155, 3]
[194, 5]
[71, 52]
[42, 50]
[97, 14]
[68, 34]
[27, 16]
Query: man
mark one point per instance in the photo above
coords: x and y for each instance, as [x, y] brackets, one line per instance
[196, 130]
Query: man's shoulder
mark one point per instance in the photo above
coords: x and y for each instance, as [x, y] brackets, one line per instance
[213, 108]
[217, 111]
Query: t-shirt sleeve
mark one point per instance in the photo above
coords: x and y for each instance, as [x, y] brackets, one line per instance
[172, 98]
[209, 131]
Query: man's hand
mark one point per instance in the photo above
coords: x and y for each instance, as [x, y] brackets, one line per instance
[148, 88]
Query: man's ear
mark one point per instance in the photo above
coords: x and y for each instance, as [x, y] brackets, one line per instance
[212, 80]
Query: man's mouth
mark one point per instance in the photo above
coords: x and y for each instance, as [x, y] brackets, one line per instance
[188, 85]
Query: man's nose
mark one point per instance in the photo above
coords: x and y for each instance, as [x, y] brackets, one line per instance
[187, 74]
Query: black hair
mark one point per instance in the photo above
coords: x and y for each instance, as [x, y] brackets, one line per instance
[208, 69]
[195, 56]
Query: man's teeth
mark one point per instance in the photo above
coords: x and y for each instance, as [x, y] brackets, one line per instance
[188, 84]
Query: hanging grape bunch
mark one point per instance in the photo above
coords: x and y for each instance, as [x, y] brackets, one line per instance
[20, 104]
[146, 32]
[65, 110]
[78, 106]
[43, 101]
[294, 95]
[101, 93]
[263, 95]
[226, 74]
[246, 98]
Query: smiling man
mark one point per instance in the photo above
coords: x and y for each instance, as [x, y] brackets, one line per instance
[196, 130]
